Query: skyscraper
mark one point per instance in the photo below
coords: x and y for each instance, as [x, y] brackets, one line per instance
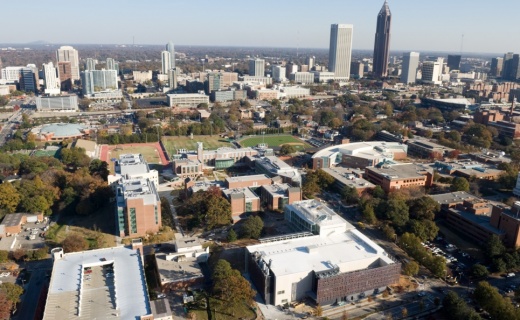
[410, 65]
[382, 42]
[507, 65]
[50, 76]
[340, 50]
[166, 62]
[68, 53]
[99, 80]
[170, 48]
[65, 74]
[311, 61]
[257, 67]
[454, 61]
[496, 66]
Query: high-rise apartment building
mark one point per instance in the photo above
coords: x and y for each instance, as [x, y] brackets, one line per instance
[90, 64]
[50, 77]
[454, 61]
[213, 82]
[511, 69]
[290, 68]
[172, 78]
[166, 62]
[382, 42]
[98, 81]
[68, 53]
[496, 66]
[171, 49]
[112, 64]
[257, 67]
[65, 74]
[409, 67]
[340, 50]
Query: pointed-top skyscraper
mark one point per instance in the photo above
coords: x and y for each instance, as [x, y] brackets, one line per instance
[382, 42]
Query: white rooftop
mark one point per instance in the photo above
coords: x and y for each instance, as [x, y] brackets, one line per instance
[348, 250]
[139, 188]
[126, 298]
[132, 164]
[368, 150]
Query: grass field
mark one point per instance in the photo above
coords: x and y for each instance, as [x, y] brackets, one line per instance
[150, 154]
[210, 142]
[274, 141]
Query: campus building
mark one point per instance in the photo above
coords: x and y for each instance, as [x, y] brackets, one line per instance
[427, 149]
[397, 176]
[328, 260]
[60, 131]
[187, 100]
[349, 177]
[57, 104]
[132, 166]
[359, 154]
[272, 166]
[98, 284]
[13, 222]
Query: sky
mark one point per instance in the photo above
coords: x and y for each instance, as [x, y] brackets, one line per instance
[435, 25]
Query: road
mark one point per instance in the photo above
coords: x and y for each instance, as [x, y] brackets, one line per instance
[33, 289]
[9, 126]
[166, 193]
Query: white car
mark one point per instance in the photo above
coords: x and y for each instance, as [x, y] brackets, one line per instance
[5, 274]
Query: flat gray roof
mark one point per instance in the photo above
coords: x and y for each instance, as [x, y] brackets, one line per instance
[177, 267]
[68, 294]
[247, 178]
[401, 170]
[452, 197]
[348, 177]
[237, 191]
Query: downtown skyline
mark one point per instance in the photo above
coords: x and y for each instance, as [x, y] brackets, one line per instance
[287, 24]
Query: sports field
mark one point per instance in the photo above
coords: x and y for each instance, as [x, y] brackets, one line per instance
[209, 142]
[274, 141]
[151, 152]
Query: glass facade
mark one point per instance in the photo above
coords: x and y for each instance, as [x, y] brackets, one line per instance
[133, 221]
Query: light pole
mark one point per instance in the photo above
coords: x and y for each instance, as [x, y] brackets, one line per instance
[263, 137]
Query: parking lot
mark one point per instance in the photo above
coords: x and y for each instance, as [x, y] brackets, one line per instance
[31, 237]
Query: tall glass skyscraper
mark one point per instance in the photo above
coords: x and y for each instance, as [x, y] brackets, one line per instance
[382, 42]
[170, 48]
[340, 50]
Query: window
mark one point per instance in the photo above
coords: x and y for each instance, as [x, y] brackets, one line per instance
[281, 292]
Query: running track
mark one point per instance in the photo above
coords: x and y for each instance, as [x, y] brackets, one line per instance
[103, 154]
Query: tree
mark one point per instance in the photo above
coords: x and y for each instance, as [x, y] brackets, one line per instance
[74, 243]
[350, 194]
[99, 168]
[494, 303]
[4, 256]
[287, 149]
[389, 232]
[5, 305]
[478, 271]
[369, 215]
[218, 212]
[425, 229]
[411, 268]
[404, 312]
[459, 184]
[397, 212]
[232, 236]
[12, 291]
[230, 286]
[378, 192]
[423, 208]
[252, 227]
[19, 254]
[9, 197]
[494, 247]
[41, 253]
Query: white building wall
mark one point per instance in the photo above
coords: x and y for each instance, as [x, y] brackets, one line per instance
[340, 50]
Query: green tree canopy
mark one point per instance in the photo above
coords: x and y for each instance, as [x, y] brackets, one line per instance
[398, 212]
[9, 197]
[494, 303]
[478, 271]
[13, 291]
[230, 286]
[411, 268]
[252, 227]
[287, 149]
[423, 208]
[459, 184]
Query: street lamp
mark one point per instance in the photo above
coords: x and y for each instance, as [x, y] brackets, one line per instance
[263, 137]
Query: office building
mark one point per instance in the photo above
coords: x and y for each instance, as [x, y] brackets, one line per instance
[507, 220]
[65, 74]
[29, 78]
[50, 77]
[278, 73]
[172, 79]
[397, 176]
[142, 76]
[382, 42]
[166, 62]
[171, 49]
[98, 284]
[426, 149]
[290, 68]
[302, 77]
[357, 69]
[68, 53]
[95, 81]
[311, 61]
[359, 154]
[409, 67]
[329, 261]
[257, 67]
[213, 82]
[431, 72]
[228, 95]
[340, 50]
[90, 64]
[11, 74]
[511, 66]
[454, 61]
[112, 64]
[496, 67]
[57, 104]
[189, 100]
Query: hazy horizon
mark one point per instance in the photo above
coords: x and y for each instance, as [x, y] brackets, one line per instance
[423, 26]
